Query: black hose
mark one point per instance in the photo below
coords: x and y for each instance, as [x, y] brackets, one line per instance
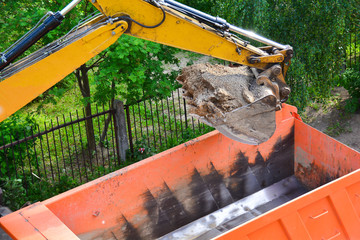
[146, 26]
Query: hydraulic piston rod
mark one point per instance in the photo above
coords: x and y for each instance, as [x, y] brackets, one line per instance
[50, 23]
[257, 37]
[69, 7]
[219, 23]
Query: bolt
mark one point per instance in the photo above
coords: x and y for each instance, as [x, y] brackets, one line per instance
[276, 70]
[238, 50]
[113, 33]
[290, 53]
[285, 92]
[254, 60]
[93, 1]
[96, 213]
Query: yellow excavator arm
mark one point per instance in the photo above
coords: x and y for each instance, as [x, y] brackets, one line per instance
[165, 21]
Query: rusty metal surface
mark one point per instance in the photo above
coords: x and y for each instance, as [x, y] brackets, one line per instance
[319, 158]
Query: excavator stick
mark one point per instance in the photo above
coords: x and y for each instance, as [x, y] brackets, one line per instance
[252, 119]
[167, 22]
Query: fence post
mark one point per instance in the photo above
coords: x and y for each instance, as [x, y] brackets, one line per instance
[129, 128]
[120, 130]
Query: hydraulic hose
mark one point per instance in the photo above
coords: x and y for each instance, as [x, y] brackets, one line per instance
[31, 38]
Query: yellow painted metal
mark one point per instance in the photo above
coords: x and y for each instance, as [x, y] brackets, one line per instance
[22, 87]
[186, 34]
[276, 58]
[177, 31]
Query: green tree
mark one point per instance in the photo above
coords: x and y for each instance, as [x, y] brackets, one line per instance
[134, 70]
[318, 31]
[134, 64]
[18, 17]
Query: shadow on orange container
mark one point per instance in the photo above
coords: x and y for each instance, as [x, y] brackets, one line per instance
[301, 184]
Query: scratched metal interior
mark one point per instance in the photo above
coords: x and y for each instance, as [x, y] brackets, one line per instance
[240, 211]
[248, 189]
[245, 194]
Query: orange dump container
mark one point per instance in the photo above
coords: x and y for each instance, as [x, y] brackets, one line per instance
[301, 184]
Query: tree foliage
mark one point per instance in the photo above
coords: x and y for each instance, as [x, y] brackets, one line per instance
[18, 17]
[350, 80]
[317, 30]
[131, 64]
[133, 69]
[11, 130]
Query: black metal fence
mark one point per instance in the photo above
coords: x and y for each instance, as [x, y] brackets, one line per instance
[353, 50]
[62, 147]
[157, 125]
[59, 147]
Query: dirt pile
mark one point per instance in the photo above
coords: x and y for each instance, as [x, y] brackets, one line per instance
[230, 100]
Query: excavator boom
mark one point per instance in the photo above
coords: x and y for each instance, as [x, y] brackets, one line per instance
[167, 22]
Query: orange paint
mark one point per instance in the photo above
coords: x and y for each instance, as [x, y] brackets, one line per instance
[325, 213]
[133, 201]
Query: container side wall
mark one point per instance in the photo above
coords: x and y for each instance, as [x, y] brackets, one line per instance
[162, 193]
[319, 158]
[35, 222]
[329, 212]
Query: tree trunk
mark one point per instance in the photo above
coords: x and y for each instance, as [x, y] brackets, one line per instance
[83, 82]
[104, 131]
[108, 119]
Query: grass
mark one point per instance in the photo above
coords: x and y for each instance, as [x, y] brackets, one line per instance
[43, 110]
[314, 105]
[337, 128]
[334, 108]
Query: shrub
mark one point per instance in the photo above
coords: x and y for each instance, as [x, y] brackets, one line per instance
[13, 129]
[317, 30]
[17, 191]
[350, 80]
[13, 193]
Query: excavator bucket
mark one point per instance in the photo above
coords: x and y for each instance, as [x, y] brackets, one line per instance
[251, 124]
[238, 102]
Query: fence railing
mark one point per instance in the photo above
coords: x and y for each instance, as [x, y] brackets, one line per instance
[64, 147]
[161, 124]
[353, 51]
[59, 147]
